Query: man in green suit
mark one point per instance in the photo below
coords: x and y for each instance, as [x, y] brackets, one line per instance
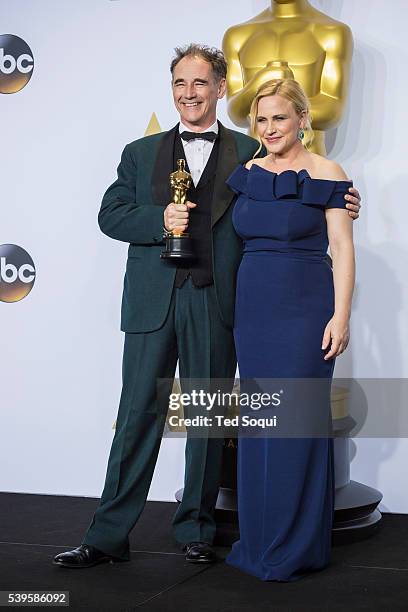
[171, 312]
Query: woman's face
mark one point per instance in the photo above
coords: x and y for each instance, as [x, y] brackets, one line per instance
[277, 124]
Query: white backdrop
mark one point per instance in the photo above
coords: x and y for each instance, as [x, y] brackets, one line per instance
[101, 69]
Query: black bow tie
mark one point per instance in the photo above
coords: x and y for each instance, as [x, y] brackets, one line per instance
[210, 136]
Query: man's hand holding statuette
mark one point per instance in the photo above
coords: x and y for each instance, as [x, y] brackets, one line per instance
[176, 216]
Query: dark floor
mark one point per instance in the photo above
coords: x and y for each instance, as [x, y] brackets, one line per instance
[368, 575]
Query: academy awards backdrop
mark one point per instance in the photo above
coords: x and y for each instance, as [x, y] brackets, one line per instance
[79, 80]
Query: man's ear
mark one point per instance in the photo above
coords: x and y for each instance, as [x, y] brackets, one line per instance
[222, 87]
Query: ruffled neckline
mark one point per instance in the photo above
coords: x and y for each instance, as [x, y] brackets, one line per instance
[301, 174]
[261, 184]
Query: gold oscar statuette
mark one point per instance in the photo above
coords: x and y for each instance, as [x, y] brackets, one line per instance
[291, 39]
[179, 243]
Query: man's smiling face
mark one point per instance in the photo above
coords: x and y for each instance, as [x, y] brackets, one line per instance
[196, 92]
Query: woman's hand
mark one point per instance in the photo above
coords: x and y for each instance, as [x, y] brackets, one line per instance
[337, 332]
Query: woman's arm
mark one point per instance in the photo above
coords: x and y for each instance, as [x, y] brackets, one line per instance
[340, 234]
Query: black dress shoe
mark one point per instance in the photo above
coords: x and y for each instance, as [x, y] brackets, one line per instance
[83, 556]
[199, 552]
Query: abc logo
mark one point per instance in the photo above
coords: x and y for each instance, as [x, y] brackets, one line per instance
[16, 63]
[17, 273]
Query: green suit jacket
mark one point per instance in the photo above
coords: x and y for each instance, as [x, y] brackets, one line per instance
[132, 211]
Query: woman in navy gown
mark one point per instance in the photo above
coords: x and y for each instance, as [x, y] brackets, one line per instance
[291, 321]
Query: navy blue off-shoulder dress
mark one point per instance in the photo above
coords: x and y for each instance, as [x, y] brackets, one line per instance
[284, 299]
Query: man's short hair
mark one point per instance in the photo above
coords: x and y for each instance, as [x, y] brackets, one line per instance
[212, 55]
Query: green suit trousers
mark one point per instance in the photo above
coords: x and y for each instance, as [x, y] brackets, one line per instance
[194, 334]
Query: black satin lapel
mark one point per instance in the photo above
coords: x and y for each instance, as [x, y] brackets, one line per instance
[163, 166]
[227, 162]
[179, 151]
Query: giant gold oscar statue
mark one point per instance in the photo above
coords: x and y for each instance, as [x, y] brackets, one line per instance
[291, 39]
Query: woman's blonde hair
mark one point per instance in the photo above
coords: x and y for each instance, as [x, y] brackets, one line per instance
[292, 91]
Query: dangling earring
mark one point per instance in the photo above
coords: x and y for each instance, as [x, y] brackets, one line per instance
[301, 134]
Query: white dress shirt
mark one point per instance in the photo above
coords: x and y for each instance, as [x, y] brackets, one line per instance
[197, 151]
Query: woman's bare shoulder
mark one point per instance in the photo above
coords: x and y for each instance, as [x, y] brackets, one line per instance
[328, 169]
